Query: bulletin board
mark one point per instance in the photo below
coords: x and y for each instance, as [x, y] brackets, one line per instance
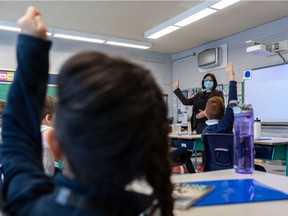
[240, 92]
[6, 79]
[4, 89]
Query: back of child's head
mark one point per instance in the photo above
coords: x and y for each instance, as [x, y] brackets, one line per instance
[49, 106]
[215, 108]
[111, 123]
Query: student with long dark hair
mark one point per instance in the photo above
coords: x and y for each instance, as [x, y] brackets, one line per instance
[109, 139]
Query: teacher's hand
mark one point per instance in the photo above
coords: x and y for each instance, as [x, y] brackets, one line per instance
[201, 114]
[175, 85]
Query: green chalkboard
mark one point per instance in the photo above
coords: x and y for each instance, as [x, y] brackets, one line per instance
[52, 90]
[4, 89]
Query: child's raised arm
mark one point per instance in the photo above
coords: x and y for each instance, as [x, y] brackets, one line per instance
[229, 69]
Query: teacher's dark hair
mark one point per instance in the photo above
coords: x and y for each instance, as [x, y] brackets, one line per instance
[111, 124]
[213, 78]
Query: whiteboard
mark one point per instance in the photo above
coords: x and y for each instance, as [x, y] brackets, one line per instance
[267, 91]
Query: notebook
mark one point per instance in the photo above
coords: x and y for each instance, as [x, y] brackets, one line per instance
[187, 194]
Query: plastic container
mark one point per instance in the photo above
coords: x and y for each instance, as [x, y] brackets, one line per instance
[176, 128]
[257, 128]
[243, 139]
[189, 130]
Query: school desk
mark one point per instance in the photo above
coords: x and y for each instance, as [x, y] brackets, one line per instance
[276, 207]
[190, 141]
[278, 146]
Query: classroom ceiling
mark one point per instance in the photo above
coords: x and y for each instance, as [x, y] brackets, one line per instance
[130, 19]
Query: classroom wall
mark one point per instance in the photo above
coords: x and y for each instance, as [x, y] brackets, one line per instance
[185, 64]
[158, 63]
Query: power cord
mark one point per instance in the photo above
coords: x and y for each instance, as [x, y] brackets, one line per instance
[284, 61]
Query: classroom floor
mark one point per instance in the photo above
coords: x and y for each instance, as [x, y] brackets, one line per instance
[276, 167]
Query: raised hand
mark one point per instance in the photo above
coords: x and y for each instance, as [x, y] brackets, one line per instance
[32, 23]
[229, 69]
[175, 85]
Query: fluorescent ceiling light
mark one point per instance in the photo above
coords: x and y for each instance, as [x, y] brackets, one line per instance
[163, 32]
[82, 36]
[127, 45]
[9, 28]
[199, 15]
[71, 37]
[223, 4]
[198, 12]
[15, 29]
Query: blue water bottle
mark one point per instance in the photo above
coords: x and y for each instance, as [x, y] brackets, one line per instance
[243, 138]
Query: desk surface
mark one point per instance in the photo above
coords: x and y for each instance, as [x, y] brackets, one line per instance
[248, 209]
[272, 141]
[262, 141]
[184, 135]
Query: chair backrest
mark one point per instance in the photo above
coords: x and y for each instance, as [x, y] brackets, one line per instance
[218, 151]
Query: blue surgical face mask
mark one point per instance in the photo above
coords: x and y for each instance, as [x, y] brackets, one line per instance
[208, 85]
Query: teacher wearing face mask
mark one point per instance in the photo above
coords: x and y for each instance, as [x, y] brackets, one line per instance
[198, 119]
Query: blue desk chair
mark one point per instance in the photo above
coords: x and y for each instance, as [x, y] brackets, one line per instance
[218, 151]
